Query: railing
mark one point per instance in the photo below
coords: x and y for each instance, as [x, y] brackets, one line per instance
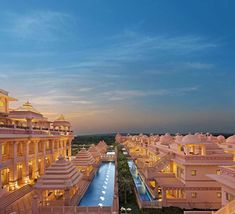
[74, 209]
[10, 129]
[108, 157]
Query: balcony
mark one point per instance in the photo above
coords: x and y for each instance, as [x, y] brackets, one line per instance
[11, 129]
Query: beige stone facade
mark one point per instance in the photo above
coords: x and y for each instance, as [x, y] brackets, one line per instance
[29, 143]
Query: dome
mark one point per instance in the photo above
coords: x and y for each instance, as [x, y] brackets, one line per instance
[221, 138]
[178, 138]
[60, 121]
[167, 138]
[26, 111]
[231, 140]
[190, 139]
[27, 107]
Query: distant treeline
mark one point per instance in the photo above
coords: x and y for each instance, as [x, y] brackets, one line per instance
[89, 139]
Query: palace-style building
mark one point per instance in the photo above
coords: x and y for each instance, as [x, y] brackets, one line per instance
[191, 171]
[29, 143]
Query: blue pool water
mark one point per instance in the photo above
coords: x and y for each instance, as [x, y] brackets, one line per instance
[101, 190]
[140, 185]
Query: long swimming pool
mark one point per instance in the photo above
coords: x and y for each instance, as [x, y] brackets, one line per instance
[101, 190]
[140, 185]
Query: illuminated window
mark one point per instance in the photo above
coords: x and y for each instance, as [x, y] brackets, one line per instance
[218, 172]
[218, 194]
[193, 172]
[229, 197]
[194, 195]
[1, 103]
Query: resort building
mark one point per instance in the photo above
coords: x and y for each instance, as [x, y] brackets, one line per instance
[175, 168]
[29, 143]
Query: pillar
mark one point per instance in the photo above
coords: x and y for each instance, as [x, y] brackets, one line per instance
[35, 163]
[29, 124]
[67, 197]
[64, 148]
[156, 190]
[163, 197]
[69, 149]
[52, 142]
[43, 163]
[26, 163]
[13, 170]
[35, 205]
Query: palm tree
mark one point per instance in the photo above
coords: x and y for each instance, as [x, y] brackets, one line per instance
[125, 185]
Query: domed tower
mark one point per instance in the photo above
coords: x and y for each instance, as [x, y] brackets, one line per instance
[62, 124]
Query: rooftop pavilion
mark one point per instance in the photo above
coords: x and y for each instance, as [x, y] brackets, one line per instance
[84, 162]
[28, 120]
[95, 153]
[59, 184]
[102, 147]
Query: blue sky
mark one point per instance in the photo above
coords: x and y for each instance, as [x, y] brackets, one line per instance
[128, 66]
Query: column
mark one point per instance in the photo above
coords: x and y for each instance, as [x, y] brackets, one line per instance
[13, 169]
[26, 163]
[69, 149]
[64, 148]
[53, 150]
[29, 124]
[35, 205]
[43, 163]
[35, 164]
[67, 197]
[163, 197]
[156, 190]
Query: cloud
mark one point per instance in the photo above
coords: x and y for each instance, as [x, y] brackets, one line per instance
[198, 65]
[39, 25]
[83, 102]
[120, 95]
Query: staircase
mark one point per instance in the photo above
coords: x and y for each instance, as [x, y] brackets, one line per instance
[160, 164]
[13, 197]
[227, 209]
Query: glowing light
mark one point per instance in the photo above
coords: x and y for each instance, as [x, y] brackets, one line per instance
[102, 198]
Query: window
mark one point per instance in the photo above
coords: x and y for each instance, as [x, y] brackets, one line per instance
[193, 172]
[229, 197]
[218, 194]
[218, 172]
[194, 195]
